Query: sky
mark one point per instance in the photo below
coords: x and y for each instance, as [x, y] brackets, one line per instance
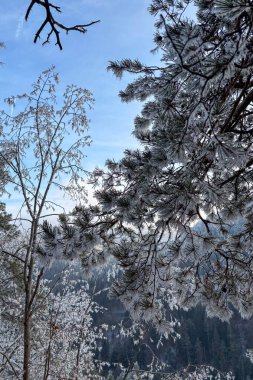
[125, 31]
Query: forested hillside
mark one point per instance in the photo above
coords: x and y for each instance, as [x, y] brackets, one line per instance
[203, 341]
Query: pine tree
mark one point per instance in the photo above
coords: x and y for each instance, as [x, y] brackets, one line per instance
[177, 213]
[199, 352]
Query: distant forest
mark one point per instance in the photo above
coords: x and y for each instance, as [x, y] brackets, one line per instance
[203, 340]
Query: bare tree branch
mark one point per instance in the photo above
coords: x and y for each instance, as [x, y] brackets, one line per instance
[54, 25]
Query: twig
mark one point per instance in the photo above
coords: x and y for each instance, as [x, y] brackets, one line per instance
[53, 23]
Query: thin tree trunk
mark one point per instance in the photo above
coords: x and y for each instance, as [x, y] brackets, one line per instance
[27, 347]
[27, 318]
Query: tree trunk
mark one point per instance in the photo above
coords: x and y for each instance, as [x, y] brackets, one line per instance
[27, 318]
[27, 347]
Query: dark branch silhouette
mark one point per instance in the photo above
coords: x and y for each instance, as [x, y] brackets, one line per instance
[55, 26]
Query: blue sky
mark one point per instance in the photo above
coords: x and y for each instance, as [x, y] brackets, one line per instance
[125, 31]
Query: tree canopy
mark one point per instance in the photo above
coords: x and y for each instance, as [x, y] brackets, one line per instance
[177, 213]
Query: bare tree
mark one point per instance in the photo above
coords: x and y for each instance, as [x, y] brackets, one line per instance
[40, 153]
[64, 339]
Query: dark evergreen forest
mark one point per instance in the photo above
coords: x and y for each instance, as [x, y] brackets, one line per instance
[203, 340]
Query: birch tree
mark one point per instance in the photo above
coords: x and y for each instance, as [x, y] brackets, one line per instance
[42, 148]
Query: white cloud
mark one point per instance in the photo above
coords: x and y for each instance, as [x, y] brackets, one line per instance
[20, 27]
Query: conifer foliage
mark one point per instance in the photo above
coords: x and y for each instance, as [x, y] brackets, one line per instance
[177, 213]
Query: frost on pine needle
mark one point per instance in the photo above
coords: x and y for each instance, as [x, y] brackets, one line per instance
[169, 212]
